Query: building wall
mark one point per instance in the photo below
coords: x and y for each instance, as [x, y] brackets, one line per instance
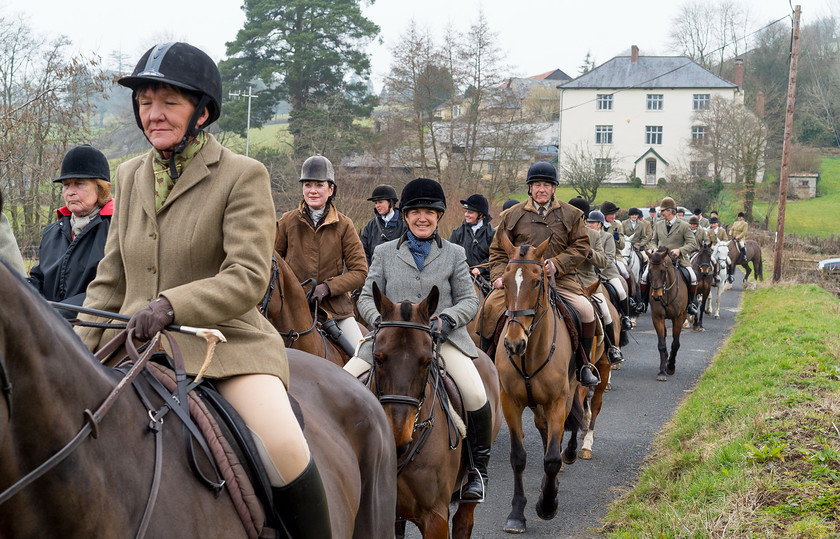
[629, 117]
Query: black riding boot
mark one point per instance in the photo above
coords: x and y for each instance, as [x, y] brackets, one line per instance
[582, 362]
[302, 505]
[744, 254]
[624, 308]
[614, 352]
[692, 300]
[332, 330]
[644, 289]
[480, 438]
[484, 343]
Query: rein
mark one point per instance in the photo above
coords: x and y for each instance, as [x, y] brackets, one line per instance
[665, 288]
[434, 375]
[272, 284]
[522, 369]
[6, 386]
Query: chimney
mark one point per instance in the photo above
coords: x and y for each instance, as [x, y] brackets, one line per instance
[759, 104]
[634, 54]
[739, 73]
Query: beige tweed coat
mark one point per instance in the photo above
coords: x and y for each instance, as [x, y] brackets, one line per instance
[208, 251]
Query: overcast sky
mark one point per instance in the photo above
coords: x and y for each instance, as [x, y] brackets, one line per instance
[536, 35]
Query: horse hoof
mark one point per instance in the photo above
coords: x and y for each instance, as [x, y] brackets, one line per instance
[670, 371]
[569, 460]
[661, 378]
[608, 387]
[546, 515]
[717, 317]
[699, 328]
[586, 454]
[514, 525]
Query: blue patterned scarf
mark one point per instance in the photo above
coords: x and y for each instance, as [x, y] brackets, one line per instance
[419, 249]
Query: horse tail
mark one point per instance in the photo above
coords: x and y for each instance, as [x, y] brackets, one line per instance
[759, 272]
[575, 420]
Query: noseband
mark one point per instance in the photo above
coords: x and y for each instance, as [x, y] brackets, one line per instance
[512, 314]
[665, 287]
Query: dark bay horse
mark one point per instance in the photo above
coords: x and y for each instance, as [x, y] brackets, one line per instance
[753, 255]
[48, 378]
[536, 370]
[704, 269]
[286, 307]
[668, 300]
[406, 378]
[593, 397]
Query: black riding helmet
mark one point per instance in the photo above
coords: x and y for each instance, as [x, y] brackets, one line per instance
[542, 171]
[84, 161]
[422, 193]
[183, 66]
[383, 192]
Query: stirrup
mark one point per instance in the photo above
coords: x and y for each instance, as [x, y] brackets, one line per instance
[626, 324]
[615, 356]
[480, 499]
[591, 368]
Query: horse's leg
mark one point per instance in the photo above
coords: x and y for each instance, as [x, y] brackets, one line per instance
[661, 335]
[721, 288]
[513, 417]
[463, 520]
[541, 423]
[546, 506]
[434, 525]
[399, 528]
[594, 409]
[675, 346]
[588, 421]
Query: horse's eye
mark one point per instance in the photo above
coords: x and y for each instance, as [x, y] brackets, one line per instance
[379, 359]
[536, 283]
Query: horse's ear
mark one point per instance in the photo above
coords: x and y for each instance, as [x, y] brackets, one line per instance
[649, 253]
[507, 245]
[588, 291]
[541, 249]
[430, 303]
[381, 300]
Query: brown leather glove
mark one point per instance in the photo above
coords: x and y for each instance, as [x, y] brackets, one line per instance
[152, 318]
[321, 291]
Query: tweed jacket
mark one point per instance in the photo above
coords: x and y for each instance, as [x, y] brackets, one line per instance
[9, 250]
[208, 251]
[332, 253]
[568, 246]
[700, 236]
[610, 271]
[639, 237]
[717, 234]
[596, 258]
[738, 230]
[616, 225]
[680, 237]
[395, 273]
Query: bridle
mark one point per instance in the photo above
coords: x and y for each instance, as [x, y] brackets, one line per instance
[512, 318]
[434, 375]
[289, 337]
[665, 287]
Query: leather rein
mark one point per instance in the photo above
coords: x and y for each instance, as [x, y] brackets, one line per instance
[434, 375]
[665, 288]
[512, 315]
[289, 337]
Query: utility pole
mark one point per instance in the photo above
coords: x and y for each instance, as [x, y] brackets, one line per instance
[783, 177]
[250, 96]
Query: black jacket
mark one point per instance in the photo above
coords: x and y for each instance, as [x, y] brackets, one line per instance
[477, 246]
[377, 232]
[67, 265]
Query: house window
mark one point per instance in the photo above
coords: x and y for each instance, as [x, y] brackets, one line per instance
[604, 102]
[653, 134]
[698, 134]
[700, 102]
[654, 101]
[603, 165]
[456, 111]
[603, 134]
[699, 169]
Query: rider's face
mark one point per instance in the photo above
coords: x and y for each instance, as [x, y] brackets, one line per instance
[542, 192]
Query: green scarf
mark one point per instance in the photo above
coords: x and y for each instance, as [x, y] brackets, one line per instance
[164, 183]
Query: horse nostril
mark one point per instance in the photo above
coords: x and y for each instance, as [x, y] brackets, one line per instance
[401, 450]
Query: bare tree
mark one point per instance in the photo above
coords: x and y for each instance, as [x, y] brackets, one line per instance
[709, 33]
[585, 171]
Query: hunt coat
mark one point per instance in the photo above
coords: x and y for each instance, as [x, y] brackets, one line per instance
[638, 236]
[610, 271]
[738, 230]
[596, 258]
[395, 273]
[717, 234]
[208, 251]
[679, 237]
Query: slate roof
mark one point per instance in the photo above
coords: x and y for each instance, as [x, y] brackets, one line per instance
[648, 72]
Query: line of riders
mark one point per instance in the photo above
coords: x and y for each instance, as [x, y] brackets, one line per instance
[186, 240]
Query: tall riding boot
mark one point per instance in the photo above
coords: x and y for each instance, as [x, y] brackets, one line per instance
[484, 343]
[583, 364]
[644, 289]
[744, 254]
[624, 308]
[332, 330]
[692, 300]
[614, 352]
[480, 438]
[302, 505]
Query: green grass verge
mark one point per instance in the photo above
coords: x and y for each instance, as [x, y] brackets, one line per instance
[754, 451]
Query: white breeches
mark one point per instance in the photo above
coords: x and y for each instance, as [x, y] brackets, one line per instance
[350, 329]
[622, 268]
[619, 287]
[601, 302]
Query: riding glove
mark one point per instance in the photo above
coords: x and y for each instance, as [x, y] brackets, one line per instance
[441, 330]
[152, 318]
[616, 236]
[321, 291]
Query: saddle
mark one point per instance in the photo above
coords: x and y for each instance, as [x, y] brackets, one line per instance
[685, 275]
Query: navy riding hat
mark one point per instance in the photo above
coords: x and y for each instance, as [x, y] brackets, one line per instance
[477, 203]
[84, 161]
[582, 204]
[422, 193]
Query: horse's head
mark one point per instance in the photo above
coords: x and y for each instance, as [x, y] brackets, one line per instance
[703, 261]
[661, 271]
[403, 355]
[525, 291]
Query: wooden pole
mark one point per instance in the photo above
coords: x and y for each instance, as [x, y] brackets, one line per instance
[783, 177]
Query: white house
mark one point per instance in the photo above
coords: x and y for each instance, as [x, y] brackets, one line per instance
[639, 110]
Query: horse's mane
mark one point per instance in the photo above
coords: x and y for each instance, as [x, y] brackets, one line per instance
[406, 310]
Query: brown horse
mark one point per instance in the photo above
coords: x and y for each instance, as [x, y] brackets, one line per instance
[593, 397]
[704, 269]
[536, 370]
[286, 307]
[48, 378]
[406, 377]
[668, 300]
[753, 255]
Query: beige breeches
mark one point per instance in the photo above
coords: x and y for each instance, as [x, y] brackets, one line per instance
[619, 287]
[603, 308]
[458, 365]
[350, 329]
[581, 305]
[262, 402]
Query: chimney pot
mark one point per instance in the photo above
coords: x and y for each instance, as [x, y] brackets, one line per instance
[634, 54]
[739, 73]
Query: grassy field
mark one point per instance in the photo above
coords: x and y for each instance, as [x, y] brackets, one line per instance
[754, 450]
[273, 135]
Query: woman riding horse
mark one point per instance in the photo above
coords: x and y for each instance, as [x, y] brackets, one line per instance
[407, 269]
[189, 244]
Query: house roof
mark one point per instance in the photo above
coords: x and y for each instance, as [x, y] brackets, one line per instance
[648, 72]
[649, 151]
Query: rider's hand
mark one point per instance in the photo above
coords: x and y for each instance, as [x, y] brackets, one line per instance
[616, 237]
[152, 318]
[441, 327]
[549, 268]
[498, 284]
[321, 291]
[475, 271]
[675, 252]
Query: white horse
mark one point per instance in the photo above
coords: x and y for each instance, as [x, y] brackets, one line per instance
[634, 266]
[720, 256]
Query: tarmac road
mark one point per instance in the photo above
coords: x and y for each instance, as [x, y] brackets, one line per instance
[633, 413]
